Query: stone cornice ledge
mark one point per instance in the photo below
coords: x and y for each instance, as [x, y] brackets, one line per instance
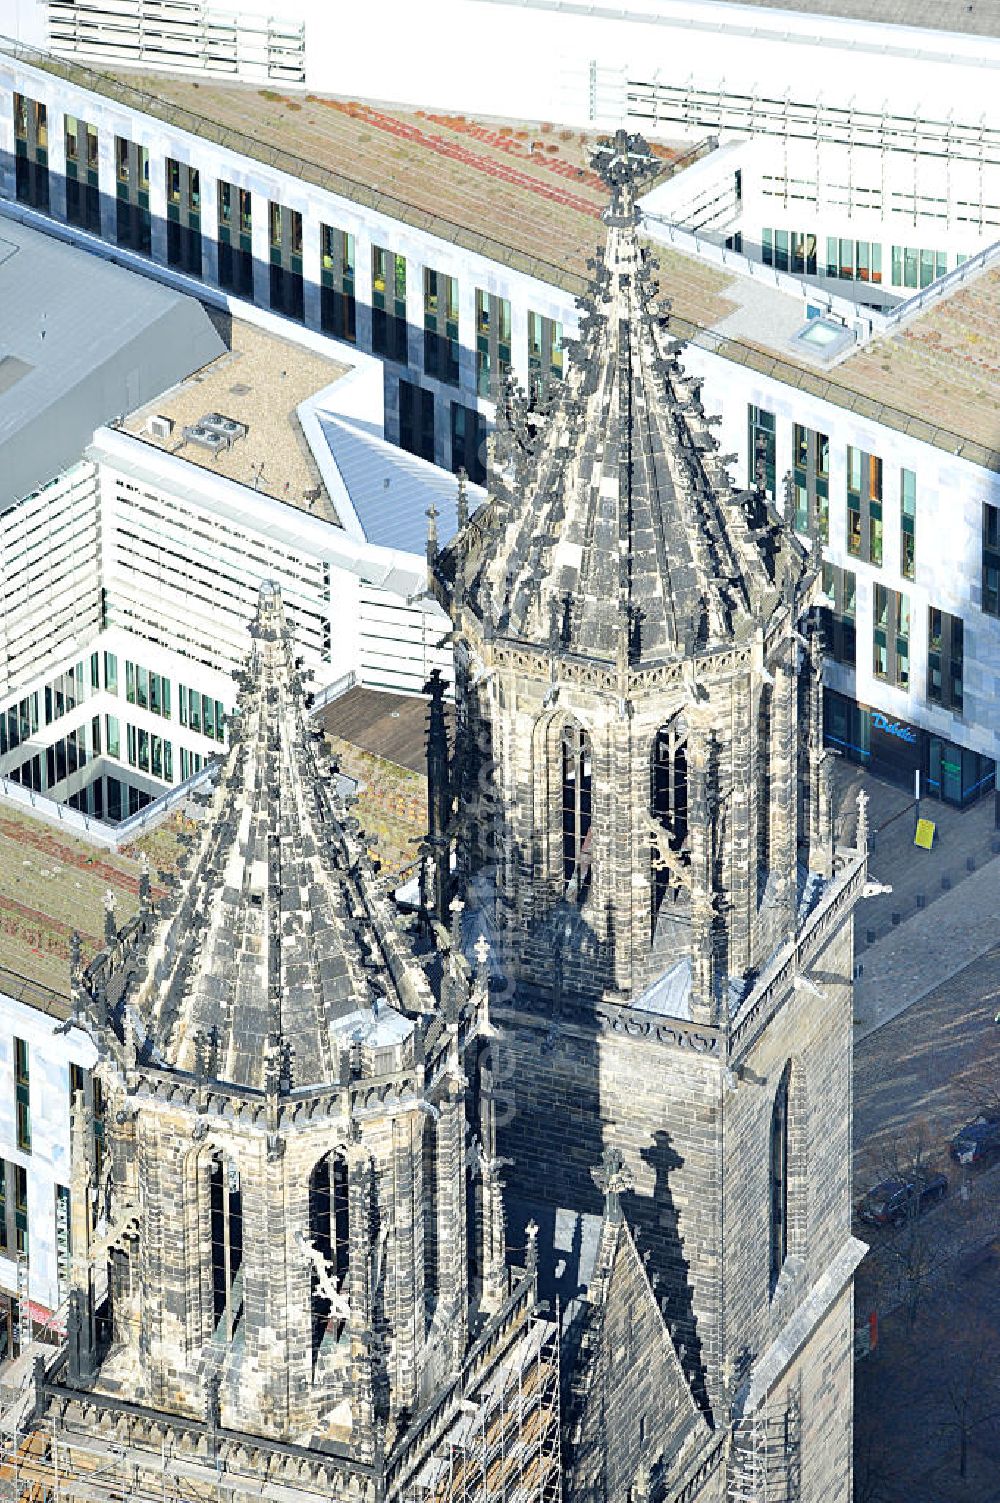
[786, 1346]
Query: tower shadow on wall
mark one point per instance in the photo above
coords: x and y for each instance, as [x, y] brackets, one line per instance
[547, 1077]
[655, 1221]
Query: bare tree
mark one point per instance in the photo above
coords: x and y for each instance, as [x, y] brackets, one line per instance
[967, 1397]
[910, 1254]
[872, 1472]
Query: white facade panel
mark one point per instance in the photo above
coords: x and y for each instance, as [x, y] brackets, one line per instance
[49, 584]
[50, 1054]
[949, 519]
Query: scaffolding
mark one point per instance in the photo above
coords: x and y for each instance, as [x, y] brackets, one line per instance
[505, 1442]
[51, 1464]
[494, 1435]
[765, 1457]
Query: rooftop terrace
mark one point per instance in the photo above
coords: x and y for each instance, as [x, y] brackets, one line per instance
[52, 883]
[259, 382]
[525, 196]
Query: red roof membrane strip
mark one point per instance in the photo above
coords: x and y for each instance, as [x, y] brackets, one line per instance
[460, 153]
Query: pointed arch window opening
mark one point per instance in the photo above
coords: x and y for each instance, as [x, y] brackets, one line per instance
[779, 1180]
[226, 1216]
[577, 812]
[329, 1234]
[669, 808]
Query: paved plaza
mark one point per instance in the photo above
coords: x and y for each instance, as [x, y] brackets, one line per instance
[942, 911]
[926, 1045]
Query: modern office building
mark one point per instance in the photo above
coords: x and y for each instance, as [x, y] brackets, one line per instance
[80, 342]
[127, 578]
[53, 886]
[834, 276]
[569, 63]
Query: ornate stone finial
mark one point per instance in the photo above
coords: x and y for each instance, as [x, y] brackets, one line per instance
[272, 1076]
[557, 979]
[614, 1178]
[623, 162]
[144, 884]
[555, 624]
[75, 957]
[531, 1245]
[624, 652]
[641, 1489]
[456, 907]
[100, 995]
[129, 1040]
[862, 836]
[213, 1388]
[462, 502]
[432, 535]
[202, 1048]
[482, 952]
[110, 927]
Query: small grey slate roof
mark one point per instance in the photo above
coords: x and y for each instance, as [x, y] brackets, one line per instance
[81, 341]
[391, 490]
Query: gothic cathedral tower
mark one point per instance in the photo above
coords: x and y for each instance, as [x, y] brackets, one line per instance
[643, 832]
[289, 1271]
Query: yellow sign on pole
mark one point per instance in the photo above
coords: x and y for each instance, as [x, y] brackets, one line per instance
[924, 837]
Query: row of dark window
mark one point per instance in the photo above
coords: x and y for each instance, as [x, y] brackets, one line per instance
[146, 751]
[808, 501]
[852, 260]
[891, 638]
[234, 230]
[807, 485]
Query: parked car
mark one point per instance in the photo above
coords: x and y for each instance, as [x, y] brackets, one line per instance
[892, 1201]
[977, 1140]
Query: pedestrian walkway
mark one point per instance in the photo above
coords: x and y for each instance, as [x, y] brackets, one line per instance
[944, 908]
[934, 945]
[965, 841]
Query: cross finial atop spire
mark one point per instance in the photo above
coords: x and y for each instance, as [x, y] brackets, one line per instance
[623, 163]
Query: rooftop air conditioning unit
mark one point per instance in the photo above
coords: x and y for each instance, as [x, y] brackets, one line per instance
[217, 422]
[207, 438]
[160, 427]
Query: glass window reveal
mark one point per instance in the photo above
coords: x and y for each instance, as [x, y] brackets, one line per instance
[864, 506]
[811, 482]
[945, 660]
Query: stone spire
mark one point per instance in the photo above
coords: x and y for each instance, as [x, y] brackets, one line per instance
[621, 524]
[276, 949]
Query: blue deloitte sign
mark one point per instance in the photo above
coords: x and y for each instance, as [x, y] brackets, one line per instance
[881, 722]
